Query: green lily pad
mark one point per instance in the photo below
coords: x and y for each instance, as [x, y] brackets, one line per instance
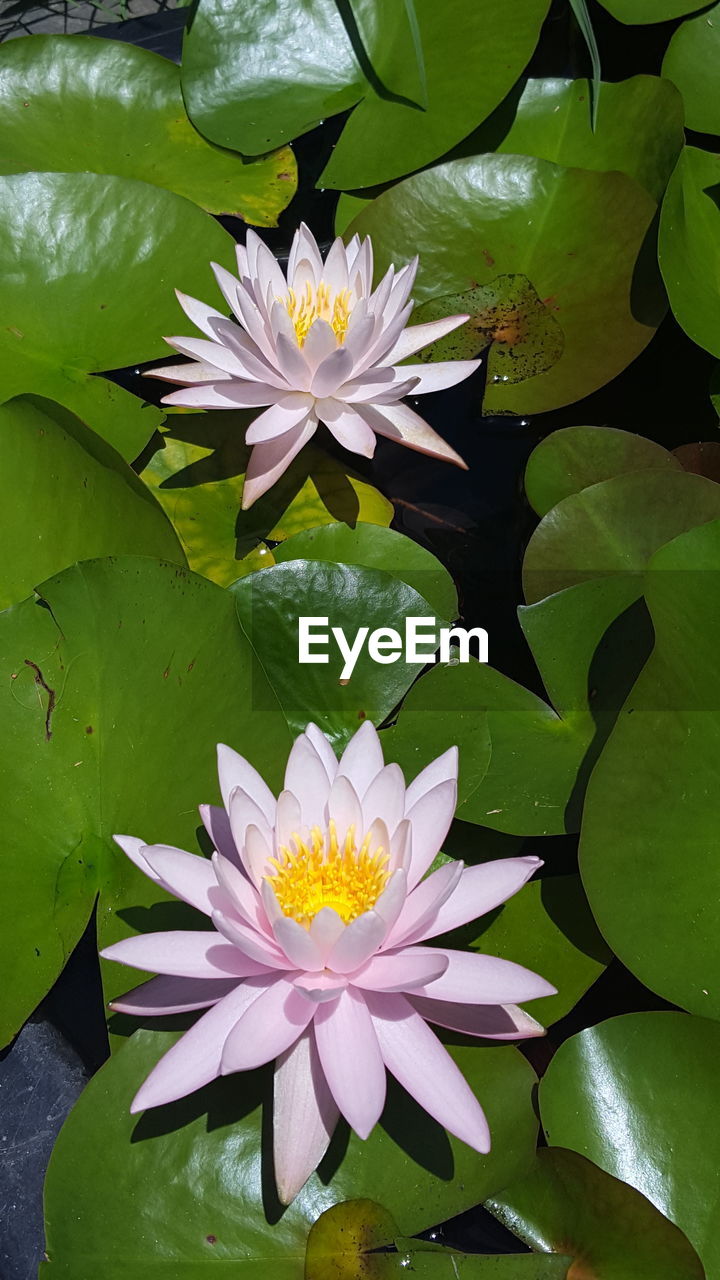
[647, 11]
[573, 458]
[468, 220]
[523, 761]
[650, 823]
[197, 475]
[615, 526]
[116, 682]
[566, 1204]
[75, 104]
[206, 1199]
[90, 264]
[86, 501]
[636, 1095]
[689, 246]
[347, 1241]
[270, 604]
[639, 127]
[691, 62]
[376, 547]
[256, 76]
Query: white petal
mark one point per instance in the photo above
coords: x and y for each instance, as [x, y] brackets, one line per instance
[319, 344]
[304, 246]
[347, 426]
[288, 820]
[188, 374]
[441, 769]
[400, 423]
[362, 758]
[285, 414]
[269, 461]
[323, 748]
[421, 335]
[331, 373]
[199, 313]
[439, 375]
[344, 808]
[235, 771]
[385, 797]
[304, 1116]
[430, 819]
[210, 353]
[306, 777]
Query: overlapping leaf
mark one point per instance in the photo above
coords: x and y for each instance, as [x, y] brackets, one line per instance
[691, 62]
[689, 245]
[575, 236]
[258, 74]
[645, 11]
[74, 104]
[636, 1095]
[572, 459]
[90, 262]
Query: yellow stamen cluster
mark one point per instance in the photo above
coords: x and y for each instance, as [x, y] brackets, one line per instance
[322, 872]
[318, 304]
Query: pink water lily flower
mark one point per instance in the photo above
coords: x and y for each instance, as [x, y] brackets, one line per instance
[319, 346]
[321, 905]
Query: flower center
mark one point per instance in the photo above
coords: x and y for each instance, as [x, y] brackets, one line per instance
[322, 872]
[318, 304]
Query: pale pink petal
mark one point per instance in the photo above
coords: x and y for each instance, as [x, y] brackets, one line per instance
[385, 798]
[436, 376]
[362, 758]
[400, 423]
[235, 771]
[359, 940]
[331, 373]
[185, 953]
[392, 899]
[323, 748]
[320, 986]
[228, 286]
[325, 930]
[417, 1059]
[304, 1116]
[199, 313]
[292, 364]
[270, 278]
[335, 267]
[400, 970]
[490, 1021]
[304, 246]
[319, 344]
[189, 373]
[134, 849]
[401, 845]
[362, 391]
[209, 353]
[348, 427]
[251, 947]
[361, 272]
[169, 994]
[300, 948]
[442, 769]
[217, 395]
[195, 1060]
[185, 875]
[343, 808]
[351, 1060]
[269, 461]
[268, 1027]
[423, 904]
[217, 824]
[241, 255]
[258, 361]
[306, 777]
[245, 811]
[256, 328]
[430, 819]
[288, 819]
[256, 854]
[479, 890]
[421, 335]
[474, 978]
[280, 418]
[242, 894]
[385, 339]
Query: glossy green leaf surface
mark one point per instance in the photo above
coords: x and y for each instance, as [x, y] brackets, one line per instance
[639, 127]
[521, 758]
[691, 62]
[615, 526]
[567, 1204]
[207, 1193]
[270, 604]
[636, 1095]
[571, 459]
[646, 11]
[647, 861]
[90, 264]
[114, 696]
[86, 500]
[376, 547]
[198, 473]
[469, 219]
[73, 104]
[689, 246]
[258, 74]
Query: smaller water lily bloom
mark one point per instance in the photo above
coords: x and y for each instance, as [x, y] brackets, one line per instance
[322, 902]
[318, 346]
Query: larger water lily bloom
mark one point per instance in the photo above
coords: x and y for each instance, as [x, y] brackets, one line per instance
[319, 346]
[321, 905]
